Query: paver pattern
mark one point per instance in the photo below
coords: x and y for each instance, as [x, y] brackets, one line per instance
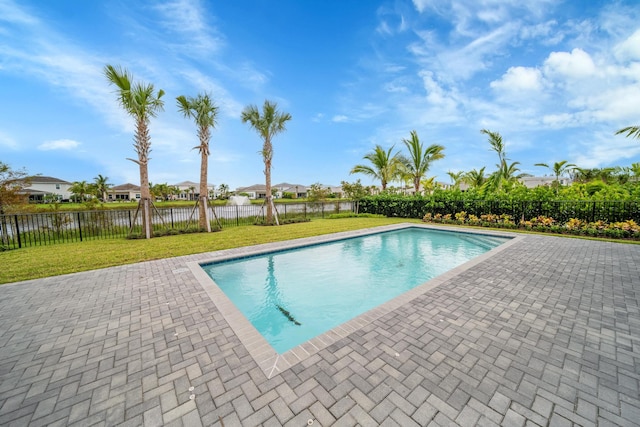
[546, 333]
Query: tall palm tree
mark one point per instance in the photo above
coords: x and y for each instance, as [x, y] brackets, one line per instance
[142, 103]
[268, 125]
[631, 131]
[384, 165]
[507, 174]
[102, 186]
[204, 112]
[417, 164]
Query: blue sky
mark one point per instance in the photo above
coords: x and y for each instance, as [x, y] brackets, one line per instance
[555, 78]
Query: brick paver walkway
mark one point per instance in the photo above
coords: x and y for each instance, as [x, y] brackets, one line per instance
[545, 333]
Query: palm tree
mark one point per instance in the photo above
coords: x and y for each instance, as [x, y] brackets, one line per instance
[385, 166]
[558, 169]
[506, 175]
[475, 178]
[79, 189]
[419, 161]
[429, 184]
[631, 131]
[268, 125]
[142, 103]
[223, 191]
[102, 186]
[204, 112]
[456, 178]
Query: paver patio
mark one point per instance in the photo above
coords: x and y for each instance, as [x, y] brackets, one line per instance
[546, 332]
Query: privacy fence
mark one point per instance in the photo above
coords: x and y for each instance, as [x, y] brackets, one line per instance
[38, 229]
[560, 211]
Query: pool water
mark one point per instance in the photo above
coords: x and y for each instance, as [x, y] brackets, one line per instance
[294, 295]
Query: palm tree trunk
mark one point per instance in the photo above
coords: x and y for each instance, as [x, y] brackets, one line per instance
[267, 153]
[142, 147]
[204, 210]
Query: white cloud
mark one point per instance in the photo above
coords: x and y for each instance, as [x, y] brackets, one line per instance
[340, 119]
[575, 65]
[187, 19]
[59, 144]
[605, 149]
[629, 49]
[518, 79]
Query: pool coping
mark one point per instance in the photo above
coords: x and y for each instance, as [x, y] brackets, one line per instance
[273, 363]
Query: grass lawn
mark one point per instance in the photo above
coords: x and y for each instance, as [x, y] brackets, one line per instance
[44, 261]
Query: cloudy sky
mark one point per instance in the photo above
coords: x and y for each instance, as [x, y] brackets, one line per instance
[555, 78]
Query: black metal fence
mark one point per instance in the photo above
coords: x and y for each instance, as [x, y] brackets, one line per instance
[39, 229]
[560, 211]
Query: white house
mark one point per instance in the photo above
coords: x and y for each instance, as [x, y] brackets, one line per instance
[189, 190]
[43, 186]
[124, 192]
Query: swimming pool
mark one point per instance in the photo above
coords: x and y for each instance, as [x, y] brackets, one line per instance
[293, 295]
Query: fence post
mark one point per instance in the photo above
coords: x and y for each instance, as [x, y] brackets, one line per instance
[322, 209]
[237, 217]
[18, 232]
[593, 212]
[171, 214]
[79, 225]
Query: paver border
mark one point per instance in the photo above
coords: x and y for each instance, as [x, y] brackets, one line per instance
[273, 363]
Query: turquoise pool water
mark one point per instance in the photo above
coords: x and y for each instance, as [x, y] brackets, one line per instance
[294, 295]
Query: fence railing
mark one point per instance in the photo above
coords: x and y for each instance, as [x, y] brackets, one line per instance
[39, 229]
[560, 211]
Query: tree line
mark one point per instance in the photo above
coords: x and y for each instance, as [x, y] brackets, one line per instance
[388, 166]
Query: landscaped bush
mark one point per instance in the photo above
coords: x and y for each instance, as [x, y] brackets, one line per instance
[616, 230]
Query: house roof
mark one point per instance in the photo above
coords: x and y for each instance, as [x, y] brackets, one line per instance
[255, 187]
[46, 180]
[187, 184]
[125, 187]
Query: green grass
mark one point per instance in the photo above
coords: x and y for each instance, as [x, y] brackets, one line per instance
[44, 261]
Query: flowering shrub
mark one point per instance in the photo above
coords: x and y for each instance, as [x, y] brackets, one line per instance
[623, 229]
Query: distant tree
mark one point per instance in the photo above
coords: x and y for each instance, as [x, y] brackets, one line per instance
[429, 184]
[268, 124]
[475, 178]
[507, 174]
[355, 191]
[204, 112]
[631, 132]
[223, 191]
[456, 178]
[385, 166]
[12, 184]
[558, 169]
[80, 190]
[317, 193]
[102, 186]
[142, 103]
[417, 164]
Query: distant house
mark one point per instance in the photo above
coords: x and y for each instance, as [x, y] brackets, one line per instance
[536, 181]
[47, 186]
[124, 192]
[298, 190]
[257, 191]
[189, 190]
